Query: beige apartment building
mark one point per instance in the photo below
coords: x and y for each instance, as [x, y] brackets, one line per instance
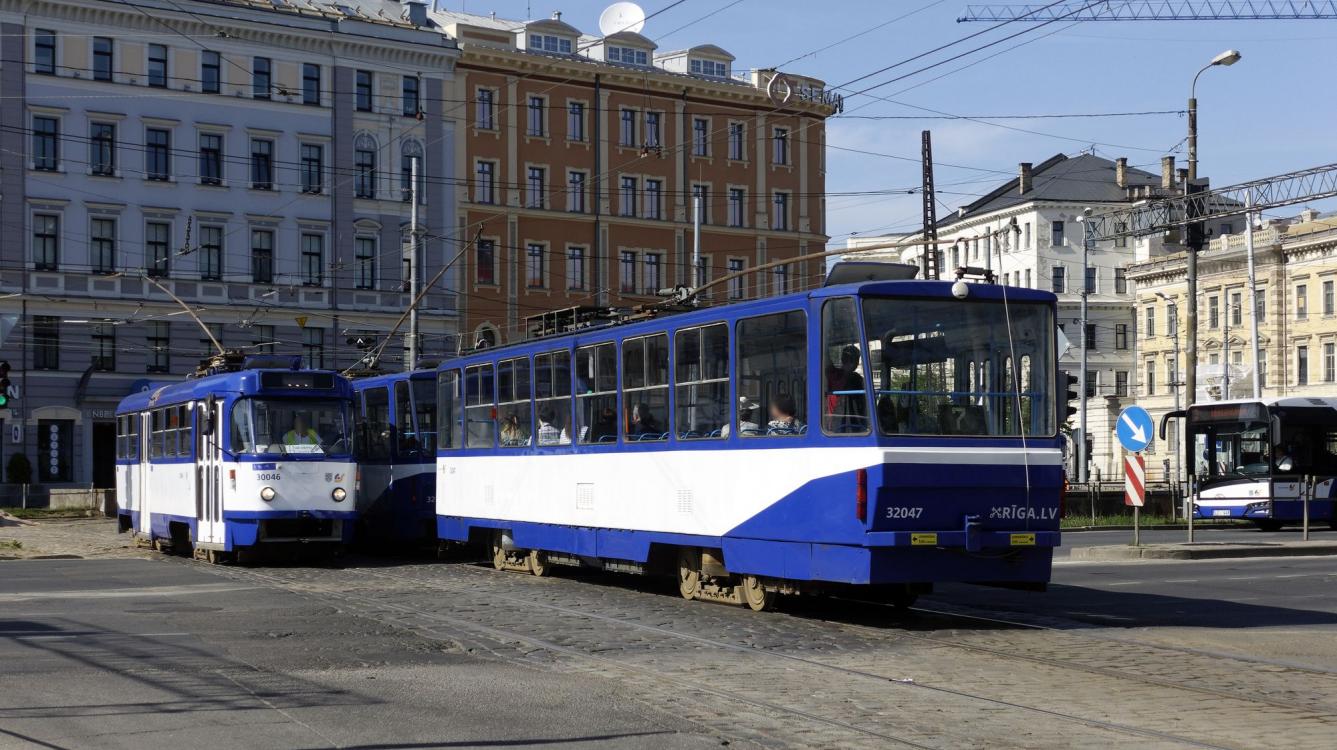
[1296, 272]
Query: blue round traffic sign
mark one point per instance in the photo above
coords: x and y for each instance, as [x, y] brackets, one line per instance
[1135, 429]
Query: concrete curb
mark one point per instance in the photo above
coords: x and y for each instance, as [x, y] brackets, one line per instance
[1200, 551]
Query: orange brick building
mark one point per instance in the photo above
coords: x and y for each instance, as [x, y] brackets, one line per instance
[581, 157]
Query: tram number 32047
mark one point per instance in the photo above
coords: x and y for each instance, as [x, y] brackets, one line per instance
[899, 512]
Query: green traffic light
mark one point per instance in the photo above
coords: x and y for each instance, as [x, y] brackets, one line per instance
[4, 400]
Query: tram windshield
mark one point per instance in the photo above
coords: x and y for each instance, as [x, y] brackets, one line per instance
[313, 427]
[961, 367]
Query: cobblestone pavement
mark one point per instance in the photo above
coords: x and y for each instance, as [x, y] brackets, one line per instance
[835, 673]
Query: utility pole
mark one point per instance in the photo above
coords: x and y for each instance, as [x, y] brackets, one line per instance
[1082, 458]
[932, 269]
[1253, 296]
[1225, 353]
[411, 357]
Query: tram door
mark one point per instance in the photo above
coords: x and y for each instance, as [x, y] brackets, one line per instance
[208, 474]
[143, 479]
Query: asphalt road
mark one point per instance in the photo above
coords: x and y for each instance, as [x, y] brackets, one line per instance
[1242, 534]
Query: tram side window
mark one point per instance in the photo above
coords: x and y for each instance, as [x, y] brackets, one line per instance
[184, 435]
[596, 393]
[645, 388]
[513, 405]
[480, 410]
[158, 440]
[772, 375]
[448, 405]
[552, 397]
[844, 399]
[242, 434]
[701, 382]
[424, 408]
[376, 411]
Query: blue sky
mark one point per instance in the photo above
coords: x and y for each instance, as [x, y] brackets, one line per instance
[1270, 113]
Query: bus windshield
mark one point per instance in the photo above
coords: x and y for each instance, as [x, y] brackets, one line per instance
[961, 367]
[1231, 449]
[312, 427]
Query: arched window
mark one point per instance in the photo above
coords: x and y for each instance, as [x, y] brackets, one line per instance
[364, 164]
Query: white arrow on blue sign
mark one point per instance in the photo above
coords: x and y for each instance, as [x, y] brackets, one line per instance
[1135, 429]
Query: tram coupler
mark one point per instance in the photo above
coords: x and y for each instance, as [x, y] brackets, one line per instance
[973, 527]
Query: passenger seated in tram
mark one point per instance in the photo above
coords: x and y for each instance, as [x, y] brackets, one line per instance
[844, 403]
[747, 420]
[643, 422]
[301, 433]
[549, 432]
[783, 417]
[605, 426]
[512, 433]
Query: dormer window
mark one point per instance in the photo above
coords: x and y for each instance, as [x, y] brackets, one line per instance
[549, 43]
[709, 68]
[628, 55]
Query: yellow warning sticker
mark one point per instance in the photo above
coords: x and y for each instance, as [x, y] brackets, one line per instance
[919, 540]
[1023, 540]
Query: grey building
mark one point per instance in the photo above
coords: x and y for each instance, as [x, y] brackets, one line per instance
[252, 157]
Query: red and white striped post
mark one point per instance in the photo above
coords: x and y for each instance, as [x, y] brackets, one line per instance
[1135, 489]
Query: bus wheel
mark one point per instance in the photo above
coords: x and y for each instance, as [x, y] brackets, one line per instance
[538, 563]
[1268, 525]
[498, 552]
[689, 573]
[755, 595]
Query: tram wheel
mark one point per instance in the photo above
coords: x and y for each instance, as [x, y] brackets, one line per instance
[755, 595]
[498, 553]
[538, 563]
[689, 574]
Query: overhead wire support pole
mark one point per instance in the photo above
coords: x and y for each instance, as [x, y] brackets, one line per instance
[931, 266]
[411, 356]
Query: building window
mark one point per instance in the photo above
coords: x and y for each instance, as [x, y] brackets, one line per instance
[737, 204]
[737, 284]
[701, 199]
[575, 121]
[46, 242]
[1149, 321]
[1327, 299]
[262, 256]
[262, 164]
[708, 68]
[700, 137]
[737, 141]
[262, 339]
[313, 348]
[311, 84]
[1122, 239]
[537, 106]
[46, 143]
[537, 187]
[159, 345]
[1121, 383]
[652, 134]
[627, 273]
[157, 154]
[1092, 383]
[157, 248]
[211, 253]
[1302, 365]
[654, 199]
[1262, 369]
[1260, 307]
[1329, 363]
[780, 146]
[260, 78]
[313, 168]
[1151, 378]
[1120, 280]
[1056, 234]
[485, 266]
[1213, 312]
[1171, 319]
[362, 88]
[653, 275]
[575, 268]
[702, 270]
[780, 277]
[485, 182]
[313, 255]
[1090, 280]
[210, 72]
[44, 52]
[46, 342]
[410, 97]
[211, 159]
[1059, 279]
[780, 219]
[1089, 338]
[627, 128]
[485, 111]
[104, 347]
[627, 196]
[534, 276]
[158, 66]
[1028, 278]
[1026, 235]
[575, 192]
[1120, 335]
[1301, 301]
[102, 148]
[104, 245]
[102, 54]
[628, 55]
[549, 43]
[364, 262]
[364, 169]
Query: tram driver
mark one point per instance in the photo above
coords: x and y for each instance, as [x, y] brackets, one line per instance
[301, 433]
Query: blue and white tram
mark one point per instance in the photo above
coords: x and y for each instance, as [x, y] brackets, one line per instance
[885, 433]
[238, 460]
[396, 450]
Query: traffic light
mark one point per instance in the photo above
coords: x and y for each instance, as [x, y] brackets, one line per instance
[1070, 386]
[4, 384]
[1196, 235]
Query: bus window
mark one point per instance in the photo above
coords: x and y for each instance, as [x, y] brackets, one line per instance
[513, 405]
[448, 409]
[596, 393]
[424, 408]
[645, 388]
[701, 383]
[376, 417]
[844, 398]
[480, 410]
[772, 375]
[552, 397]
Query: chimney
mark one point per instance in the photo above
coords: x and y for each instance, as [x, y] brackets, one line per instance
[557, 15]
[1183, 178]
[416, 11]
[1167, 172]
[1121, 171]
[1024, 177]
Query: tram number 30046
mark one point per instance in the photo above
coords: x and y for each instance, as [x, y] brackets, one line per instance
[899, 512]
[271, 477]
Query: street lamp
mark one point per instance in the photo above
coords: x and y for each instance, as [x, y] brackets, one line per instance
[1225, 59]
[1082, 458]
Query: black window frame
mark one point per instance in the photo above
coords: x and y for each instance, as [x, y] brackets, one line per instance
[44, 51]
[157, 67]
[102, 148]
[157, 251]
[363, 91]
[262, 78]
[311, 84]
[313, 168]
[46, 342]
[46, 231]
[262, 256]
[211, 159]
[211, 72]
[46, 143]
[158, 155]
[262, 164]
[104, 56]
[411, 92]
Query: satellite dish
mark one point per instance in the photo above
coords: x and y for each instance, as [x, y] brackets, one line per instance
[621, 17]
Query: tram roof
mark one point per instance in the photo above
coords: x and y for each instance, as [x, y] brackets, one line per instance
[371, 381]
[1328, 401]
[243, 382]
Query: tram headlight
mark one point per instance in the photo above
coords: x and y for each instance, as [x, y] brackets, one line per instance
[267, 494]
[339, 494]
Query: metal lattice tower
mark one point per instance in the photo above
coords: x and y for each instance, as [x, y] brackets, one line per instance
[930, 250]
[1158, 10]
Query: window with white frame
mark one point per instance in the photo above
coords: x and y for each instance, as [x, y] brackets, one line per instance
[652, 131]
[627, 128]
[102, 148]
[549, 43]
[708, 68]
[537, 109]
[485, 116]
[653, 274]
[575, 121]
[485, 182]
[628, 55]
[700, 137]
[737, 141]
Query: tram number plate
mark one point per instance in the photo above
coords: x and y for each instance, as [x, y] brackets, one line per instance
[1221, 512]
[1023, 540]
[924, 540]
